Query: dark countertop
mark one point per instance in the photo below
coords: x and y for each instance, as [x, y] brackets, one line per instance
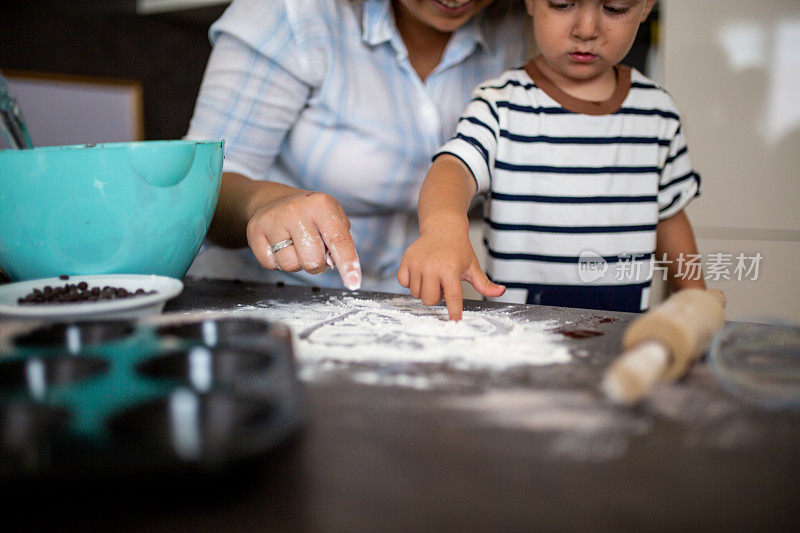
[527, 449]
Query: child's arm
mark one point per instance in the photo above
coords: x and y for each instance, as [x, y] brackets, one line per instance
[674, 236]
[442, 256]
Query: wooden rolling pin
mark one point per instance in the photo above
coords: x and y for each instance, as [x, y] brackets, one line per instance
[663, 343]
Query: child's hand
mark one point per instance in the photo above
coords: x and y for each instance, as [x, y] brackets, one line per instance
[436, 263]
[434, 266]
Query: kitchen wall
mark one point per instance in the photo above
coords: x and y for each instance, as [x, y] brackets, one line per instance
[734, 70]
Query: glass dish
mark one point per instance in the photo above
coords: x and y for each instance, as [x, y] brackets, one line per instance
[759, 363]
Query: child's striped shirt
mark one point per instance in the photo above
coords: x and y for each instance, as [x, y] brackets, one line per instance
[575, 188]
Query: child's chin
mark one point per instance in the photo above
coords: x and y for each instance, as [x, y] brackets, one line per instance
[584, 72]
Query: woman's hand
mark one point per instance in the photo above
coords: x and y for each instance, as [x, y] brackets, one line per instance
[316, 224]
[436, 263]
[271, 213]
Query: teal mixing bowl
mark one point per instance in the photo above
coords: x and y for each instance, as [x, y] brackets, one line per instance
[114, 208]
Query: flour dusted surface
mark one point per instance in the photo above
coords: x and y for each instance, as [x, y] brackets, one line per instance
[401, 331]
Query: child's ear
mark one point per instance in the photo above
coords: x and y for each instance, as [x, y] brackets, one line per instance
[648, 6]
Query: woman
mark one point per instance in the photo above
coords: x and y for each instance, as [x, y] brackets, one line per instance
[348, 99]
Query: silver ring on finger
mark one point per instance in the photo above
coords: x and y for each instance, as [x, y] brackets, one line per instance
[281, 245]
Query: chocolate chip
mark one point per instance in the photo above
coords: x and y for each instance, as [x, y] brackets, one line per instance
[82, 292]
[63, 276]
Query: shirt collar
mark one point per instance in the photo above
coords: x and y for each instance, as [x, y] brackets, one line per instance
[378, 27]
[471, 35]
[377, 22]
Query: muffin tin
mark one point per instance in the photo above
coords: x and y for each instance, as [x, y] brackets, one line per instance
[120, 397]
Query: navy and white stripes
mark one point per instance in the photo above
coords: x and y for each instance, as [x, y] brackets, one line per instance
[568, 181]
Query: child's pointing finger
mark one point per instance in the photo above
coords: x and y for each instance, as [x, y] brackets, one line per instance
[453, 298]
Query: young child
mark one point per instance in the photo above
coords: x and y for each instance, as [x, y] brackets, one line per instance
[586, 171]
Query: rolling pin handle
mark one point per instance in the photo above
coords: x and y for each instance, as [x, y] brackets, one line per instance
[664, 343]
[630, 378]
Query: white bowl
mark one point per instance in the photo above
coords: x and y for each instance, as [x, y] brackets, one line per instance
[132, 307]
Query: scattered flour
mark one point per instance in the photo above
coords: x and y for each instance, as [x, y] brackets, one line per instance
[400, 342]
[401, 331]
[712, 421]
[576, 424]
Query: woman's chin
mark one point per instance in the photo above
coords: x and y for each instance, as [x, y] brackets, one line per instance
[449, 19]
